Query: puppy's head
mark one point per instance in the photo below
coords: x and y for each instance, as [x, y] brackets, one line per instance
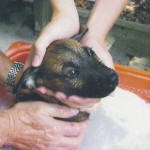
[72, 69]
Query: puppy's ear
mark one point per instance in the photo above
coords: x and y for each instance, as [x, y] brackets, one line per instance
[83, 30]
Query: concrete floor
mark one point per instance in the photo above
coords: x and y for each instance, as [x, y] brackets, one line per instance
[131, 48]
[16, 26]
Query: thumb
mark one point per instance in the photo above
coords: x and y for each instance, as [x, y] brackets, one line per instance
[37, 55]
[55, 110]
[40, 45]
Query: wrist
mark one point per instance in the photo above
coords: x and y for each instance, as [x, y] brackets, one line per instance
[99, 49]
[70, 22]
[90, 40]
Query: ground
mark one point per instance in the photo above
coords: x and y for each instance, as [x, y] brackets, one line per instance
[136, 10]
[16, 24]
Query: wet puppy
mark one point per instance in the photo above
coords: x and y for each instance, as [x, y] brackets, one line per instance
[72, 69]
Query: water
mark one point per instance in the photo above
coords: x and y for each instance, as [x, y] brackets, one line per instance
[121, 122]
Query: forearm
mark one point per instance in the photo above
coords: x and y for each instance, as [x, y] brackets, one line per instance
[63, 24]
[103, 16]
[65, 10]
[63, 6]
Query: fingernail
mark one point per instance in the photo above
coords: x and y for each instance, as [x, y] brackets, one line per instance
[41, 90]
[60, 96]
[73, 98]
[36, 61]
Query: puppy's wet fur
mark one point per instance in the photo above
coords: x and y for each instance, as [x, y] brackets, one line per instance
[72, 69]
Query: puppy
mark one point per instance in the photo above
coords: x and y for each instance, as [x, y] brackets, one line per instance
[72, 69]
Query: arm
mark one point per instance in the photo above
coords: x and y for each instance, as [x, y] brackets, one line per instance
[64, 24]
[102, 18]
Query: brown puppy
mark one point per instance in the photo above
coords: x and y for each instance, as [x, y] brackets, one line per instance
[72, 69]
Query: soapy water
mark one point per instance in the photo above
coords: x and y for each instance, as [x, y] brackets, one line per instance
[121, 122]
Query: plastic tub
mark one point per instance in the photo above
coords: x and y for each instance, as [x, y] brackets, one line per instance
[134, 80]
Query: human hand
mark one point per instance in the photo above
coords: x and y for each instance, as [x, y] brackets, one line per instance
[32, 125]
[98, 47]
[64, 24]
[72, 101]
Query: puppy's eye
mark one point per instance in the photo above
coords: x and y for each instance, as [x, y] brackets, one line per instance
[72, 73]
[70, 70]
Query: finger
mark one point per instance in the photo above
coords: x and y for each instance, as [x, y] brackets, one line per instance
[45, 91]
[72, 143]
[47, 94]
[76, 101]
[48, 109]
[72, 101]
[107, 59]
[41, 43]
[54, 110]
[38, 54]
[83, 101]
[66, 143]
[71, 129]
[87, 110]
[104, 56]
